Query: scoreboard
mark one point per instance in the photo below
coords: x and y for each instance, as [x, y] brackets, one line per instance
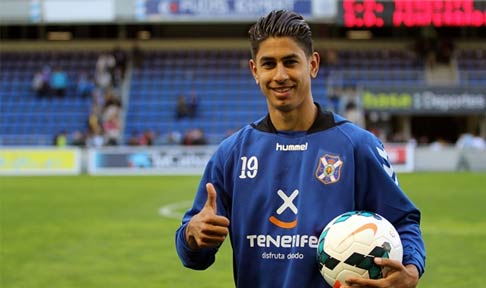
[411, 13]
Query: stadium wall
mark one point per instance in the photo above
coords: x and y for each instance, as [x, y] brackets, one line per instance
[216, 43]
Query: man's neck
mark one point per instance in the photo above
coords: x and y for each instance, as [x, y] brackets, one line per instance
[300, 119]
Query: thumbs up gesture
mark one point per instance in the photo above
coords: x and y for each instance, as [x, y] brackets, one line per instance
[207, 229]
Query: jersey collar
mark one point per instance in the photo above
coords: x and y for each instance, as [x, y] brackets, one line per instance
[324, 120]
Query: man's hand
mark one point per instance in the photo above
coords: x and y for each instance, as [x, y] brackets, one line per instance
[396, 276]
[206, 229]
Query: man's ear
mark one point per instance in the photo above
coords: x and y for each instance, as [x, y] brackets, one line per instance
[253, 70]
[315, 63]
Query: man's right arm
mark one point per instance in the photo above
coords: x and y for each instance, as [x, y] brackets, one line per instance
[200, 235]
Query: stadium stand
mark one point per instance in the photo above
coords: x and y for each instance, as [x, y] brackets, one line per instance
[28, 120]
[220, 79]
[227, 93]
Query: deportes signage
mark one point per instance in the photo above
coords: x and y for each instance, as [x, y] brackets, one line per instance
[157, 161]
[411, 13]
[439, 100]
[218, 10]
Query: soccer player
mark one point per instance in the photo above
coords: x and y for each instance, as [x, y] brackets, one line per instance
[275, 184]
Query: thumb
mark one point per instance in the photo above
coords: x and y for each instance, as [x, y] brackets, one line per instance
[211, 201]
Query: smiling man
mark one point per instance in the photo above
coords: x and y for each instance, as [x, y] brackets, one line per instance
[275, 184]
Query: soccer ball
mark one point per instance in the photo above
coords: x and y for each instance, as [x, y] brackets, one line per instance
[349, 243]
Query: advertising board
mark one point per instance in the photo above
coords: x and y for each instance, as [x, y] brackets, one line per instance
[168, 160]
[180, 160]
[429, 100]
[218, 10]
[40, 161]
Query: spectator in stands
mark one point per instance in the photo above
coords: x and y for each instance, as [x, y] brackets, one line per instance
[37, 82]
[95, 138]
[133, 139]
[193, 106]
[94, 119]
[439, 144]
[85, 86]
[112, 129]
[194, 137]
[59, 82]
[147, 138]
[111, 99]
[105, 66]
[78, 139]
[469, 141]
[182, 110]
[354, 114]
[110, 118]
[174, 137]
[40, 83]
[60, 139]
[120, 61]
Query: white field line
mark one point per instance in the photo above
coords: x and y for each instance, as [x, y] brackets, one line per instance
[463, 229]
[173, 210]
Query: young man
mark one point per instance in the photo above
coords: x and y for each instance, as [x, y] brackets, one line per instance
[275, 184]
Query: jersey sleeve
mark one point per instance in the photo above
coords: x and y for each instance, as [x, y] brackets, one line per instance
[378, 190]
[202, 258]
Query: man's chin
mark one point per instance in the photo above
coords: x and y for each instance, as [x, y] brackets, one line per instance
[284, 107]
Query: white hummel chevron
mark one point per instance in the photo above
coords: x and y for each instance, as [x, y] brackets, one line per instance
[388, 168]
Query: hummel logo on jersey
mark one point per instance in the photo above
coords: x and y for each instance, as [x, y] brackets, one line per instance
[291, 147]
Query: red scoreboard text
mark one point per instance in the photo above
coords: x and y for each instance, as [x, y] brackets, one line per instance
[411, 13]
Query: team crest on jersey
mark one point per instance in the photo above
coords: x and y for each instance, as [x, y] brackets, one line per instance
[329, 169]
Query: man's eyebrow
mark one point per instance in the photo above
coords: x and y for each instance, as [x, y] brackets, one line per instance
[269, 58]
[290, 56]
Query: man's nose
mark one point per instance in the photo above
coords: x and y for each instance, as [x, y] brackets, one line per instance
[280, 73]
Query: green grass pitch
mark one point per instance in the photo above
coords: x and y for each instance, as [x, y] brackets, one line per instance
[82, 231]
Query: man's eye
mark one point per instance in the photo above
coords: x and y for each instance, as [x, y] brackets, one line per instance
[268, 64]
[290, 62]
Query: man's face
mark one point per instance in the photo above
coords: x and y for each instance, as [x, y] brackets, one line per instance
[283, 72]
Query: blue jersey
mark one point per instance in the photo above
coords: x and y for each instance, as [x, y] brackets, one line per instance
[280, 189]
